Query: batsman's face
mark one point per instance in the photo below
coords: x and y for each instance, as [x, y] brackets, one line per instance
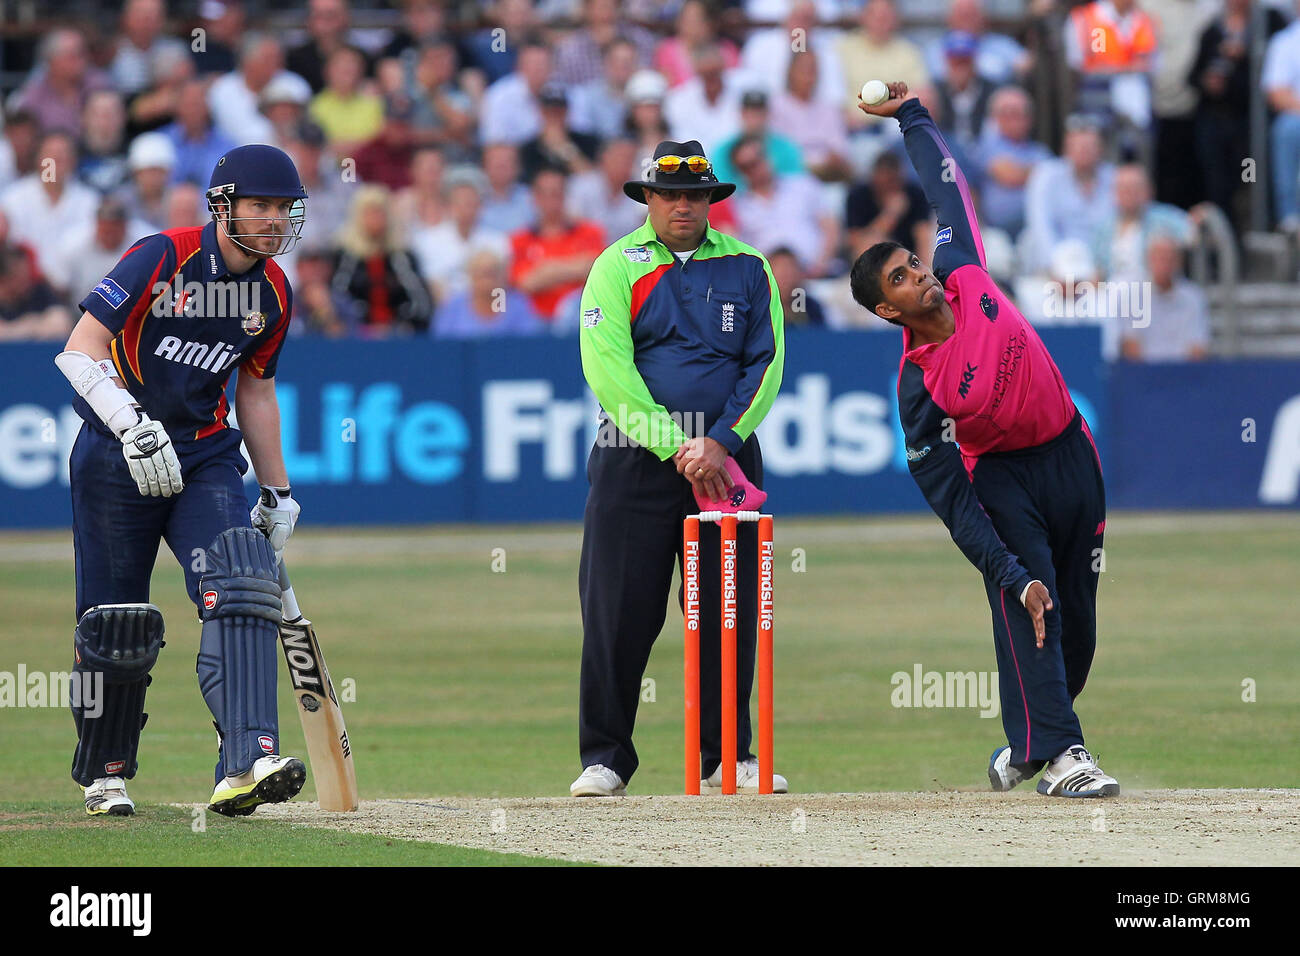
[262, 222]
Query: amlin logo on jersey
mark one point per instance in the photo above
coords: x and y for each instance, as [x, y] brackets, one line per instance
[212, 358]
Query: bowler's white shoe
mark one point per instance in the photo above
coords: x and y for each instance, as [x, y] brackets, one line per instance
[746, 778]
[1075, 774]
[272, 779]
[598, 781]
[108, 795]
[1002, 775]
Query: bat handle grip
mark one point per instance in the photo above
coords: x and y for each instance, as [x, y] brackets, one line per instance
[291, 609]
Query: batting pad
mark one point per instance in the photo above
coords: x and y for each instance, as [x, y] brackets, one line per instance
[116, 645]
[239, 594]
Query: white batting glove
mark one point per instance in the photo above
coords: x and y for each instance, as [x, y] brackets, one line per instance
[152, 459]
[275, 515]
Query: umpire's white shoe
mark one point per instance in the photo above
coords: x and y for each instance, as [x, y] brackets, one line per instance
[746, 778]
[1075, 774]
[598, 781]
[108, 795]
[272, 779]
[1002, 775]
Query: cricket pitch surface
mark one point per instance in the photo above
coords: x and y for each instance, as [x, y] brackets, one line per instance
[953, 828]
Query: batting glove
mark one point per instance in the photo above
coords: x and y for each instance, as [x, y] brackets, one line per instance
[275, 515]
[152, 459]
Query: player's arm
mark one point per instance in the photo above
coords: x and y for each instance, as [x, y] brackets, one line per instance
[941, 179]
[258, 412]
[608, 361]
[936, 467]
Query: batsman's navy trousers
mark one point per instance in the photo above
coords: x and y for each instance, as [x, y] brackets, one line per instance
[116, 530]
[1048, 505]
[631, 538]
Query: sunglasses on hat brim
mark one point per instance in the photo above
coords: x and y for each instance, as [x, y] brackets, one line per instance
[671, 164]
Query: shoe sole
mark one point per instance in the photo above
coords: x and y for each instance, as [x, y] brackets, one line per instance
[278, 787]
[620, 792]
[1107, 790]
[121, 810]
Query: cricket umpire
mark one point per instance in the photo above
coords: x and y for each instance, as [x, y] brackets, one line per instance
[156, 459]
[683, 345]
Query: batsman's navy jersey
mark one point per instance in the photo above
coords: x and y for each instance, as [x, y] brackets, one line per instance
[990, 387]
[182, 323]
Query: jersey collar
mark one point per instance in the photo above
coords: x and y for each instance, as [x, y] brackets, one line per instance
[645, 235]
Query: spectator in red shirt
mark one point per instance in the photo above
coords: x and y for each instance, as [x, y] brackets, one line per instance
[553, 256]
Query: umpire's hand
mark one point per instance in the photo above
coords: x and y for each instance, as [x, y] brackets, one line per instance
[1037, 602]
[703, 462]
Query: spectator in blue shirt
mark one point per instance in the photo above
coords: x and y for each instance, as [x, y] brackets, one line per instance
[781, 151]
[1006, 156]
[488, 307]
[197, 143]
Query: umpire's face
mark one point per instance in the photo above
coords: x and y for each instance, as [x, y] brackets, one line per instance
[679, 216]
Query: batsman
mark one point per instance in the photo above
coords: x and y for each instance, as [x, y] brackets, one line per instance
[157, 460]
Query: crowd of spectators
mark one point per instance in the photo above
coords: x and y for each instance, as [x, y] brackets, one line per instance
[463, 174]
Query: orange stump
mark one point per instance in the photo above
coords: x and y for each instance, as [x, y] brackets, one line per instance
[728, 563]
[691, 586]
[766, 562]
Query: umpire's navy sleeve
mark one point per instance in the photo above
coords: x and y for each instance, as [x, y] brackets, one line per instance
[937, 469]
[957, 238]
[126, 292]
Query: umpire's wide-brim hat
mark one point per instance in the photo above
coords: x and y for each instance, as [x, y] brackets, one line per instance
[681, 178]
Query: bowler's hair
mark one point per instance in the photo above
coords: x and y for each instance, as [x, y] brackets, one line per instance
[864, 280]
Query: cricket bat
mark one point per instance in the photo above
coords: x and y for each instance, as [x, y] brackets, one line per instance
[328, 747]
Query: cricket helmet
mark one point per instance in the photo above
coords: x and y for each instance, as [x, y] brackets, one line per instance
[257, 170]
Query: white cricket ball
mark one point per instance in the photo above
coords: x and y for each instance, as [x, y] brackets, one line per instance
[874, 92]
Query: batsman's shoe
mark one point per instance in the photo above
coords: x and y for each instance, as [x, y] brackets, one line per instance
[108, 795]
[272, 779]
[1002, 775]
[598, 781]
[746, 778]
[1075, 774]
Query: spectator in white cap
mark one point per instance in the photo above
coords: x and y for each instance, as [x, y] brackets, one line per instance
[645, 122]
[233, 97]
[150, 161]
[284, 103]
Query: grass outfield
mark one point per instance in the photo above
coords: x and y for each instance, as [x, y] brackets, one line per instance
[466, 678]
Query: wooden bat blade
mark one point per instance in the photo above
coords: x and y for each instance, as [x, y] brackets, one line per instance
[328, 747]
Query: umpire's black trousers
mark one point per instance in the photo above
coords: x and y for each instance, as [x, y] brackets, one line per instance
[631, 538]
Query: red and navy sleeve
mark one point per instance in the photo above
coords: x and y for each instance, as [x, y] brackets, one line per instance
[957, 236]
[122, 296]
[937, 469]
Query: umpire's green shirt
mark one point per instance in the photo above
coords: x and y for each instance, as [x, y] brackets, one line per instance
[663, 340]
